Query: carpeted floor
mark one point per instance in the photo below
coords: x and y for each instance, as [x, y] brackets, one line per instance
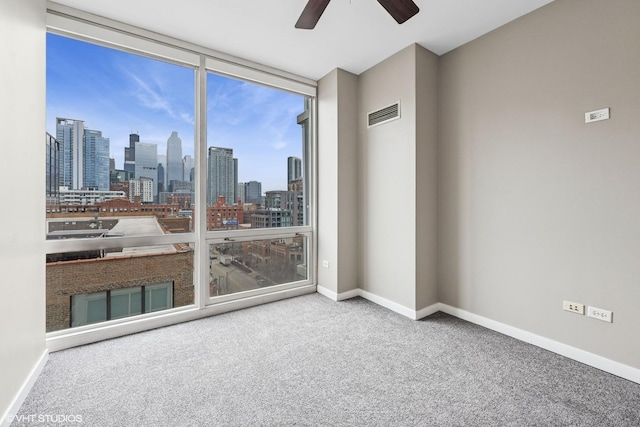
[309, 361]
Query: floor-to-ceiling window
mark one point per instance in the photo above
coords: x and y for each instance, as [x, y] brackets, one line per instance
[257, 145]
[175, 180]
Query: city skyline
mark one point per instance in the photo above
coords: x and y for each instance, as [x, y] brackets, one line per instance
[119, 93]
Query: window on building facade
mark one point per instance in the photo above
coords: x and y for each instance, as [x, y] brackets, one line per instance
[118, 303]
[137, 187]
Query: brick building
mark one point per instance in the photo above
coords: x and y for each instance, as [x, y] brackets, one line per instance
[222, 216]
[90, 286]
[67, 279]
[276, 259]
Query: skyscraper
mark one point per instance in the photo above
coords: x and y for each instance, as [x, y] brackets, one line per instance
[240, 190]
[253, 192]
[146, 165]
[162, 183]
[187, 165]
[161, 175]
[220, 175]
[235, 183]
[53, 166]
[174, 159]
[69, 133]
[294, 169]
[95, 162]
[130, 153]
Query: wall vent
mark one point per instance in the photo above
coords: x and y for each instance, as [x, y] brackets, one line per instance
[384, 115]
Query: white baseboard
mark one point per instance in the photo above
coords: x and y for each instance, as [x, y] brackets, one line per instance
[582, 356]
[427, 311]
[599, 362]
[327, 293]
[338, 297]
[393, 306]
[15, 406]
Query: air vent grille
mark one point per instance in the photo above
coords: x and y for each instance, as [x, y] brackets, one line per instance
[384, 115]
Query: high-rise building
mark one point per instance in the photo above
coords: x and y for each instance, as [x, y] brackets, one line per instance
[294, 169]
[292, 201]
[187, 165]
[253, 192]
[235, 180]
[146, 165]
[95, 163]
[69, 133]
[130, 153]
[220, 174]
[240, 192]
[174, 159]
[53, 166]
[143, 188]
[161, 184]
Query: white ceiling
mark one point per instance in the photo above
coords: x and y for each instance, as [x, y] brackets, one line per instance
[352, 34]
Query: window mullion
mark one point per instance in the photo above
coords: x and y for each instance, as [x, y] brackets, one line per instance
[201, 276]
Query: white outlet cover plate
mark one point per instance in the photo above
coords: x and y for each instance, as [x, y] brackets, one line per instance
[573, 307]
[600, 314]
[597, 115]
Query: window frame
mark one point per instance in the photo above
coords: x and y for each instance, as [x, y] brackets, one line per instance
[68, 22]
[108, 301]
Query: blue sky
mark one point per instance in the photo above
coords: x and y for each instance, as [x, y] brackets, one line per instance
[119, 93]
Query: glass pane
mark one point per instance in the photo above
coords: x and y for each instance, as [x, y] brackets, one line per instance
[158, 297]
[125, 302]
[243, 266]
[255, 168]
[88, 308]
[119, 141]
[79, 283]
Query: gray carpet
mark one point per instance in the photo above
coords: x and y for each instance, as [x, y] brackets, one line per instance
[311, 361]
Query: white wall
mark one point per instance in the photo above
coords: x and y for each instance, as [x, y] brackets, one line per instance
[536, 206]
[22, 256]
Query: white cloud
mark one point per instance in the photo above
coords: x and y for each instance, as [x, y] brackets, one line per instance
[155, 100]
[279, 145]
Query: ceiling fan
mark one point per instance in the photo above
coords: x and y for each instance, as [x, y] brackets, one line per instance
[400, 10]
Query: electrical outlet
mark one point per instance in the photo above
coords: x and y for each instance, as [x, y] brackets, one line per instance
[325, 263]
[600, 314]
[573, 307]
[594, 116]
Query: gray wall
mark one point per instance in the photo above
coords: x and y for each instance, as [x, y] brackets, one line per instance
[22, 108]
[337, 191]
[426, 164]
[387, 182]
[397, 180]
[536, 206]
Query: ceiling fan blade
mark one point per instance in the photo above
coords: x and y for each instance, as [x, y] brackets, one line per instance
[311, 14]
[400, 10]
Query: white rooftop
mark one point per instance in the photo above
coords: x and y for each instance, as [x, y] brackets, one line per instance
[140, 226]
